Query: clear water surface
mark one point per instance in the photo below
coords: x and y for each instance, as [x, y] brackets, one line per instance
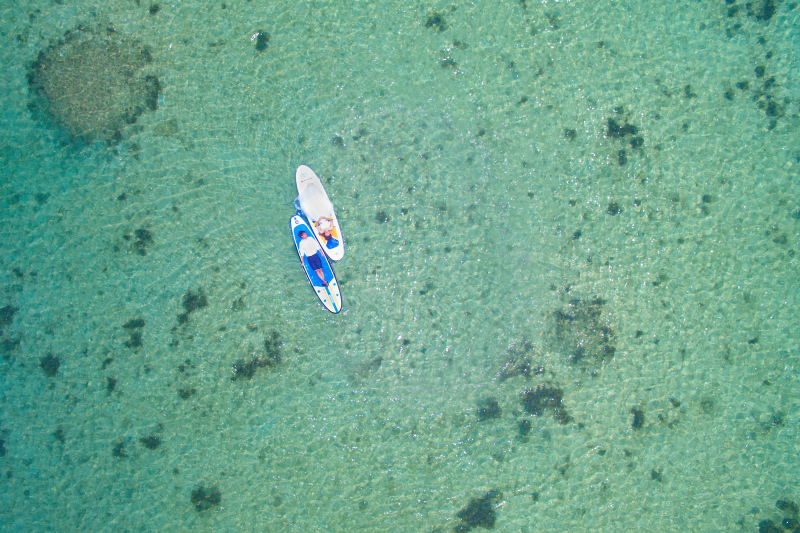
[570, 282]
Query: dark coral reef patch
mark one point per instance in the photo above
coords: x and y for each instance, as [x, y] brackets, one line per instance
[50, 364]
[192, 301]
[582, 332]
[204, 498]
[545, 398]
[479, 512]
[246, 368]
[93, 82]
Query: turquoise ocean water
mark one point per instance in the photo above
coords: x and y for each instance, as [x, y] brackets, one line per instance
[570, 282]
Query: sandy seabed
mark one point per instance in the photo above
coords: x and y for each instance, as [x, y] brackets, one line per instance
[598, 200]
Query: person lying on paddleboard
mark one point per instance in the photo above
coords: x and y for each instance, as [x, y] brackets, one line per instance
[311, 250]
[327, 231]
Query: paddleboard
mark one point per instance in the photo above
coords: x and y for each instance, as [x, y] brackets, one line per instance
[328, 294]
[318, 209]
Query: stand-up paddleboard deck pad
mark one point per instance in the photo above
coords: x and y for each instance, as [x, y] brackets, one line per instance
[322, 205]
[330, 296]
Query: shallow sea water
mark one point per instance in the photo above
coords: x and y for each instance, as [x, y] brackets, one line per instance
[491, 226]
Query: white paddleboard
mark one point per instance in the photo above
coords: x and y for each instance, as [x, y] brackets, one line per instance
[318, 209]
[318, 269]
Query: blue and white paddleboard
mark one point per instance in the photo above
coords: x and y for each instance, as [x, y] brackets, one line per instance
[322, 279]
[318, 209]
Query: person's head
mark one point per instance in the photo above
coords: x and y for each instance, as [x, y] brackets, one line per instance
[302, 234]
